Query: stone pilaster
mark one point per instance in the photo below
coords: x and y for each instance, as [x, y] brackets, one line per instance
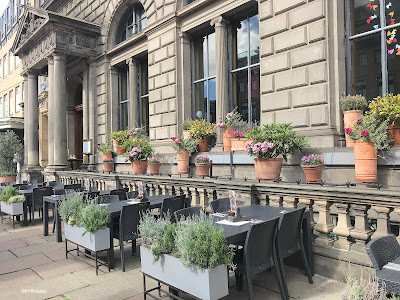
[50, 114]
[85, 110]
[134, 111]
[343, 227]
[361, 232]
[383, 224]
[26, 120]
[92, 87]
[32, 111]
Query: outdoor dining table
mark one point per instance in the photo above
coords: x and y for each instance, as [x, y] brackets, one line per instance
[53, 199]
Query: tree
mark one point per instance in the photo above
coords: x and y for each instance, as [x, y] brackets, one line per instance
[10, 144]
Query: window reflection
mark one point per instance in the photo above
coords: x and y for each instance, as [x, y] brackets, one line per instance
[366, 16]
[123, 82]
[144, 94]
[133, 24]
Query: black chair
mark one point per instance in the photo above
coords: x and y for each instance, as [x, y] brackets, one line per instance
[107, 199]
[188, 212]
[260, 253]
[34, 181]
[127, 229]
[121, 193]
[220, 205]
[94, 189]
[27, 187]
[76, 187]
[56, 185]
[37, 200]
[171, 205]
[132, 195]
[384, 253]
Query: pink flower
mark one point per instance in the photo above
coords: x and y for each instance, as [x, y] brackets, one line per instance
[137, 129]
[98, 148]
[235, 133]
[177, 143]
[348, 130]
[174, 138]
[180, 139]
[248, 128]
[359, 121]
[241, 134]
[364, 133]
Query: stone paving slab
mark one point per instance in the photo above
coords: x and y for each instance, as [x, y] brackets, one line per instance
[29, 250]
[61, 267]
[34, 240]
[6, 255]
[15, 279]
[21, 263]
[12, 244]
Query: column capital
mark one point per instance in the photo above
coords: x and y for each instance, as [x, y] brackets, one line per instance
[31, 73]
[132, 62]
[219, 22]
[59, 56]
[184, 36]
[50, 59]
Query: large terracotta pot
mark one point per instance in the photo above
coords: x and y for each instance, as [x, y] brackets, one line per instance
[226, 138]
[203, 169]
[365, 161]
[268, 168]
[108, 166]
[107, 156]
[118, 149]
[139, 166]
[313, 173]
[154, 169]
[202, 145]
[350, 119]
[8, 179]
[394, 131]
[186, 134]
[183, 162]
[238, 144]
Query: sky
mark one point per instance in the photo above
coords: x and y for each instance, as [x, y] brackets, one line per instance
[3, 5]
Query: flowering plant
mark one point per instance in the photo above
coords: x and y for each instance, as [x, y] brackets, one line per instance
[105, 148]
[153, 160]
[139, 150]
[108, 160]
[233, 119]
[261, 150]
[369, 128]
[240, 133]
[190, 145]
[138, 133]
[311, 160]
[351, 102]
[386, 108]
[201, 129]
[120, 136]
[187, 124]
[202, 159]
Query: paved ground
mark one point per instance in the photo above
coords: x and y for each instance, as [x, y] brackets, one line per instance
[34, 267]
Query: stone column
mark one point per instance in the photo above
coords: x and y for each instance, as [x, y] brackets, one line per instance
[382, 222]
[222, 70]
[134, 107]
[50, 114]
[343, 227]
[184, 80]
[26, 119]
[33, 120]
[60, 111]
[85, 104]
[92, 88]
[324, 225]
[361, 232]
[112, 104]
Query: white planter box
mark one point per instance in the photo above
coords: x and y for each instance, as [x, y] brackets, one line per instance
[13, 209]
[205, 284]
[96, 241]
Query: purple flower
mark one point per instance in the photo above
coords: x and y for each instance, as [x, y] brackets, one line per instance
[364, 133]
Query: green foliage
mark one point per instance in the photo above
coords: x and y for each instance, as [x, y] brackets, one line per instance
[151, 228]
[187, 124]
[285, 141]
[373, 130]
[234, 120]
[16, 199]
[164, 244]
[120, 136]
[105, 148]
[7, 174]
[202, 159]
[154, 160]
[386, 108]
[70, 209]
[356, 102]
[138, 133]
[201, 244]
[363, 289]
[7, 193]
[184, 144]
[201, 129]
[94, 218]
[138, 150]
[10, 144]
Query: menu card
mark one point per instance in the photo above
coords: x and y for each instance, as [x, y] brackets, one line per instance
[232, 199]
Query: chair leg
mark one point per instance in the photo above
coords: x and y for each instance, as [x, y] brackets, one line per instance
[280, 279]
[121, 249]
[133, 247]
[305, 262]
[54, 221]
[239, 281]
[249, 287]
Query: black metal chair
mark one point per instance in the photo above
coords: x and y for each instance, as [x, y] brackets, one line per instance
[93, 189]
[188, 212]
[27, 187]
[76, 187]
[384, 253]
[260, 253]
[121, 193]
[37, 200]
[220, 205]
[107, 199]
[132, 195]
[127, 229]
[171, 205]
[56, 185]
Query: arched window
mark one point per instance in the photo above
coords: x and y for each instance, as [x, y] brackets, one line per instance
[133, 22]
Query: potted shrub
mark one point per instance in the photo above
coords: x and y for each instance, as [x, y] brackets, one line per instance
[191, 256]
[6, 176]
[119, 138]
[139, 151]
[202, 131]
[139, 133]
[271, 144]
[107, 150]
[10, 145]
[183, 148]
[203, 165]
[387, 108]
[312, 166]
[108, 165]
[11, 202]
[186, 128]
[353, 108]
[154, 165]
[233, 121]
[239, 140]
[369, 135]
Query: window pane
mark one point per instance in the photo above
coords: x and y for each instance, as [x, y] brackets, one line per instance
[5, 106]
[241, 44]
[392, 12]
[124, 88]
[200, 58]
[255, 94]
[200, 96]
[366, 16]
[11, 103]
[124, 115]
[254, 40]
[240, 93]
[144, 78]
[17, 99]
[1, 107]
[145, 112]
[366, 67]
[393, 60]
[212, 96]
[211, 55]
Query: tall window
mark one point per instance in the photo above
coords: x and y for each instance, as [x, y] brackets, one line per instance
[135, 21]
[203, 77]
[245, 68]
[17, 99]
[144, 94]
[5, 66]
[5, 106]
[1, 107]
[16, 61]
[123, 84]
[11, 103]
[373, 53]
[1, 70]
[11, 60]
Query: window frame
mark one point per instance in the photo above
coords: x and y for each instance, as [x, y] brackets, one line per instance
[11, 101]
[120, 101]
[141, 96]
[134, 10]
[17, 99]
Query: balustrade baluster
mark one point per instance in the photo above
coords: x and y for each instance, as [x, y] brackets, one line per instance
[361, 232]
[324, 226]
[195, 196]
[343, 227]
[275, 200]
[382, 222]
[289, 201]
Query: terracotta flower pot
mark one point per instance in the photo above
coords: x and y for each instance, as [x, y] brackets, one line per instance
[183, 162]
[154, 169]
[203, 169]
[139, 166]
[107, 156]
[313, 173]
[118, 149]
[108, 166]
[226, 138]
[238, 144]
[202, 145]
[8, 179]
[186, 134]
[268, 168]
[365, 161]
[350, 119]
[394, 131]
